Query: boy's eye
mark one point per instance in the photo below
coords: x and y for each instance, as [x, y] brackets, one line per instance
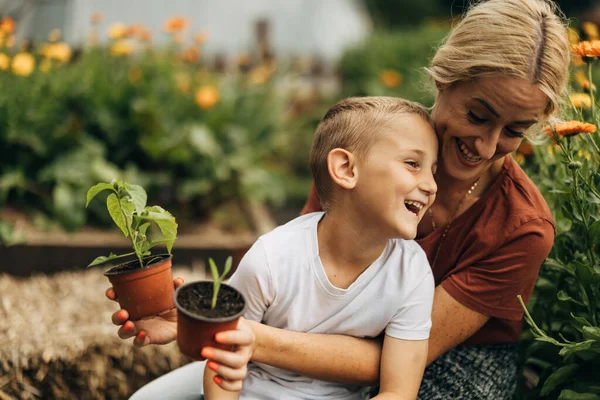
[475, 118]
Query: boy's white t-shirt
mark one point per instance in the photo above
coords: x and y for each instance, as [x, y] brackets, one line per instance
[285, 286]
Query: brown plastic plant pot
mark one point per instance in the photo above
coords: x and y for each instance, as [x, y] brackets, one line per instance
[196, 331]
[143, 292]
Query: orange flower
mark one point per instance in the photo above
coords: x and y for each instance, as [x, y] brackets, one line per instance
[569, 128]
[201, 37]
[176, 24]
[97, 17]
[8, 25]
[390, 78]
[118, 31]
[145, 35]
[525, 148]
[587, 48]
[191, 55]
[207, 97]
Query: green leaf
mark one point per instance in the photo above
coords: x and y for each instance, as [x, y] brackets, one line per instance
[138, 196]
[121, 212]
[559, 376]
[94, 190]
[563, 296]
[591, 333]
[228, 264]
[216, 281]
[103, 259]
[576, 347]
[571, 395]
[165, 221]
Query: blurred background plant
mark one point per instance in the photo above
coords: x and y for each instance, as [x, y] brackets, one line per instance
[562, 349]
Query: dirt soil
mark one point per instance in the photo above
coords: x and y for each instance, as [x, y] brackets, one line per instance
[57, 340]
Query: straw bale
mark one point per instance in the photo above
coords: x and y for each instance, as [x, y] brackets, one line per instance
[57, 340]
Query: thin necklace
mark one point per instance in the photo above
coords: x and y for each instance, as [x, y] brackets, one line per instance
[437, 253]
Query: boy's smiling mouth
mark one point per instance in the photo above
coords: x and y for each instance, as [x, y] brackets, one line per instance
[413, 206]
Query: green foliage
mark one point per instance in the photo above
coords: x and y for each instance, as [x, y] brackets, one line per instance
[218, 279]
[565, 314]
[127, 207]
[407, 52]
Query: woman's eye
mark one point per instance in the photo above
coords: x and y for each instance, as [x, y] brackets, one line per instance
[413, 164]
[475, 118]
[513, 133]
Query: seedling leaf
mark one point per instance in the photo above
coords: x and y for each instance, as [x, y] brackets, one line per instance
[112, 256]
[216, 281]
[138, 196]
[94, 190]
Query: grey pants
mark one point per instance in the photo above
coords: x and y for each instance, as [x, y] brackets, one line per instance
[465, 372]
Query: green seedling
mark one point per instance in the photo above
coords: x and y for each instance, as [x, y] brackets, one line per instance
[218, 279]
[127, 208]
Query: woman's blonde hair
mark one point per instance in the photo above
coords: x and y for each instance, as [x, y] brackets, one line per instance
[520, 38]
[354, 124]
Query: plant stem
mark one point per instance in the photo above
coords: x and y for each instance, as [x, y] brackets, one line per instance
[133, 242]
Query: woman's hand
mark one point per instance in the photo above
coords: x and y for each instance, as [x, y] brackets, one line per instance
[161, 329]
[231, 367]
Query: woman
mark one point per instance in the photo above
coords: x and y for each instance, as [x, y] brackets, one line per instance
[501, 73]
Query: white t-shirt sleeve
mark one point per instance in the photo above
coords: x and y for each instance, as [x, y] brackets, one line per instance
[413, 319]
[253, 279]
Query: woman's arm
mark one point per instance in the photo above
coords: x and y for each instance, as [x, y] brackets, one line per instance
[351, 360]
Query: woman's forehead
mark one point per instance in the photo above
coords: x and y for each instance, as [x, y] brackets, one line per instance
[505, 96]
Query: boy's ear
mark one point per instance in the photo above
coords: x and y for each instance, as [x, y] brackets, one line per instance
[342, 168]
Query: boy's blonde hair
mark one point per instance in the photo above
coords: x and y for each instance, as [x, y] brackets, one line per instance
[520, 38]
[353, 124]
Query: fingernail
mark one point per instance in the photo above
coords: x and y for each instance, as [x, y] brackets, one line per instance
[142, 335]
[218, 380]
[122, 315]
[207, 353]
[220, 337]
[128, 326]
[212, 365]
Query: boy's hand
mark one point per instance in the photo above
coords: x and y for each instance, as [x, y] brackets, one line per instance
[161, 329]
[231, 367]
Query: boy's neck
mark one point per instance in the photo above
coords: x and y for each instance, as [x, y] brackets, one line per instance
[346, 249]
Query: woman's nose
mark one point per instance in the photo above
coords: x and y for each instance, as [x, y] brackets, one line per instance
[486, 145]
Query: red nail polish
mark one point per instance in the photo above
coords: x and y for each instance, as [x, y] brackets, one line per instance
[218, 380]
[142, 335]
[207, 353]
[122, 315]
[219, 337]
[212, 365]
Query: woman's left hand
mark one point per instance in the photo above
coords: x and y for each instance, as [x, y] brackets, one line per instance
[231, 366]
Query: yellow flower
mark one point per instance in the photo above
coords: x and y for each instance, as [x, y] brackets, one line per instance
[390, 78]
[57, 51]
[591, 30]
[207, 97]
[45, 65]
[134, 75]
[175, 24]
[581, 100]
[54, 35]
[121, 48]
[573, 36]
[23, 64]
[569, 128]
[4, 62]
[118, 31]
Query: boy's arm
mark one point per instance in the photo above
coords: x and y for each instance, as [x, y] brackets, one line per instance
[402, 366]
[212, 390]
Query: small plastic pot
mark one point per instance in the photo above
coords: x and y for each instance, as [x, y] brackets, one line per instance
[195, 331]
[143, 292]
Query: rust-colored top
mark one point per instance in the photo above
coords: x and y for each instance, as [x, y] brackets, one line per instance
[492, 252]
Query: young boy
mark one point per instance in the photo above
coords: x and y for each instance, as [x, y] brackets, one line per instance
[353, 269]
